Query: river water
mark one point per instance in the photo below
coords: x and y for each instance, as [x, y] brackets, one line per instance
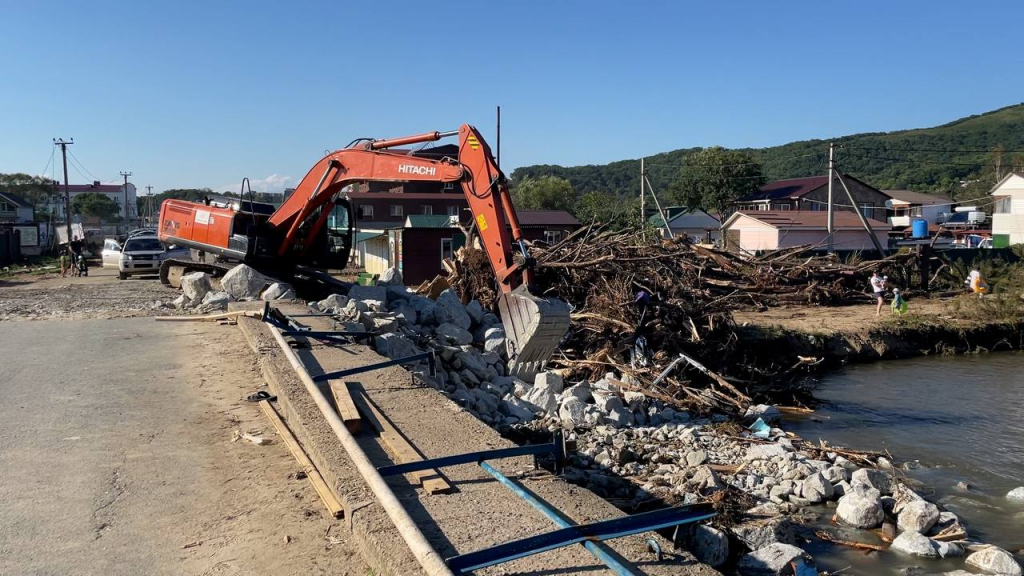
[961, 418]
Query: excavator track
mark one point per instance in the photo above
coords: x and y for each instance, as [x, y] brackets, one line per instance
[172, 269]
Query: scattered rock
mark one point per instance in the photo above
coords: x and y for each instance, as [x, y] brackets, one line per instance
[542, 399]
[195, 286]
[710, 545]
[376, 294]
[395, 346]
[244, 282]
[918, 516]
[696, 458]
[876, 479]
[756, 534]
[573, 413]
[278, 291]
[769, 414]
[181, 302]
[391, 277]
[816, 488]
[916, 545]
[494, 339]
[449, 309]
[859, 511]
[475, 311]
[452, 334]
[334, 303]
[772, 560]
[550, 381]
[994, 560]
[764, 452]
[216, 301]
[1017, 494]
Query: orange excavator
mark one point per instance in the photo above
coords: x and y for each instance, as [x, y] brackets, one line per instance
[297, 234]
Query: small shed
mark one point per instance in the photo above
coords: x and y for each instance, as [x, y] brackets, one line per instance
[775, 229]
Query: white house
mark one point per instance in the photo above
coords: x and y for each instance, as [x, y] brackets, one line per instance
[1008, 211]
[113, 191]
[775, 229]
[693, 223]
[907, 206]
[15, 209]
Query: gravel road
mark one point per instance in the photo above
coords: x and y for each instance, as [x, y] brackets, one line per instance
[116, 453]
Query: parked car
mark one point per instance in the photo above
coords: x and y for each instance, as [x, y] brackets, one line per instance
[141, 254]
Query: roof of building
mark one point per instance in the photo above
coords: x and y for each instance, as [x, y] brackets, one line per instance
[911, 197]
[364, 236]
[789, 188]
[673, 213]
[428, 221]
[94, 187]
[546, 218]
[15, 199]
[399, 196]
[806, 219]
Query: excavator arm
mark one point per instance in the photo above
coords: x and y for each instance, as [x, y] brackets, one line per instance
[533, 325]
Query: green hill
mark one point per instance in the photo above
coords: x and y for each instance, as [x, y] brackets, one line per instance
[927, 159]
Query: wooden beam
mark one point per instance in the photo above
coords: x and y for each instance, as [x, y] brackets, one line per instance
[332, 503]
[346, 408]
[400, 448]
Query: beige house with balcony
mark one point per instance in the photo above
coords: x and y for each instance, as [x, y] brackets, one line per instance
[1008, 211]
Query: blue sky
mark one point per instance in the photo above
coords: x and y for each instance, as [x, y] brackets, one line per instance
[197, 94]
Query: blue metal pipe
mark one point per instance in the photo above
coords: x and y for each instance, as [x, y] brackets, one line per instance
[470, 458]
[599, 550]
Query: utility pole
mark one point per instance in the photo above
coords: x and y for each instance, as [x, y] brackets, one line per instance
[643, 174]
[126, 212]
[67, 195]
[831, 226]
[149, 205]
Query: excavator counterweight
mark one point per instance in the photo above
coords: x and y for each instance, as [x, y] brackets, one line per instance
[294, 234]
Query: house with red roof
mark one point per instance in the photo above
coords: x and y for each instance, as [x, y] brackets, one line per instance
[811, 194]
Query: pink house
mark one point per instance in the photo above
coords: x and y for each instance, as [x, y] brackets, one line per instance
[774, 229]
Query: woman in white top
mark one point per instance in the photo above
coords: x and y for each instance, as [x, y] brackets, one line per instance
[878, 287]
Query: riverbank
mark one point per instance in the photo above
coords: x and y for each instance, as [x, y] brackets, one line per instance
[793, 342]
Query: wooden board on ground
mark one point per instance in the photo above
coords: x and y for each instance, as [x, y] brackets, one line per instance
[403, 452]
[346, 408]
[334, 506]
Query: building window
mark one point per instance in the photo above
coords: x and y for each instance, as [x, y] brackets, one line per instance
[5, 207]
[446, 249]
[453, 210]
[396, 209]
[818, 207]
[783, 207]
[427, 210]
[1002, 205]
[552, 236]
[916, 211]
[366, 211]
[867, 209]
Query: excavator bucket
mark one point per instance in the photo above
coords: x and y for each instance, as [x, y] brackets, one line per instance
[533, 328]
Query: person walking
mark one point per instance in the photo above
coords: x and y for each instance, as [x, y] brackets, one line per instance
[878, 288]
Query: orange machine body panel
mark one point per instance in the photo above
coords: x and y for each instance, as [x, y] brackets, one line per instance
[197, 226]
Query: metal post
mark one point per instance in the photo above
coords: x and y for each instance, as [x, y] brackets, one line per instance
[497, 159]
[643, 213]
[657, 203]
[831, 227]
[127, 222]
[863, 220]
[67, 195]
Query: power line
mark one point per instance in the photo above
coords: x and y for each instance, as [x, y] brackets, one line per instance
[921, 161]
[936, 150]
[79, 162]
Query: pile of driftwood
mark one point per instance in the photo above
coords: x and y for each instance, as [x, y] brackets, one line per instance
[649, 309]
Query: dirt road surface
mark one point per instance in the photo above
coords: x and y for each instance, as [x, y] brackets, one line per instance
[116, 454]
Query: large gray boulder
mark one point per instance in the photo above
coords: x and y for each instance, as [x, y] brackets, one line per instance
[816, 488]
[475, 311]
[371, 294]
[542, 399]
[390, 277]
[395, 346]
[916, 545]
[772, 560]
[550, 381]
[918, 516]
[244, 282]
[494, 340]
[859, 511]
[334, 303]
[278, 291]
[756, 534]
[452, 334]
[1017, 494]
[876, 479]
[710, 545]
[768, 413]
[195, 286]
[763, 452]
[573, 413]
[994, 560]
[214, 301]
[449, 309]
[514, 407]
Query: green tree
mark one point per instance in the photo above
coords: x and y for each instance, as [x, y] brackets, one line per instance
[94, 204]
[715, 177]
[35, 189]
[608, 209]
[544, 193]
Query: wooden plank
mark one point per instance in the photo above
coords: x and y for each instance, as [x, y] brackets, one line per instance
[346, 408]
[332, 503]
[400, 448]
